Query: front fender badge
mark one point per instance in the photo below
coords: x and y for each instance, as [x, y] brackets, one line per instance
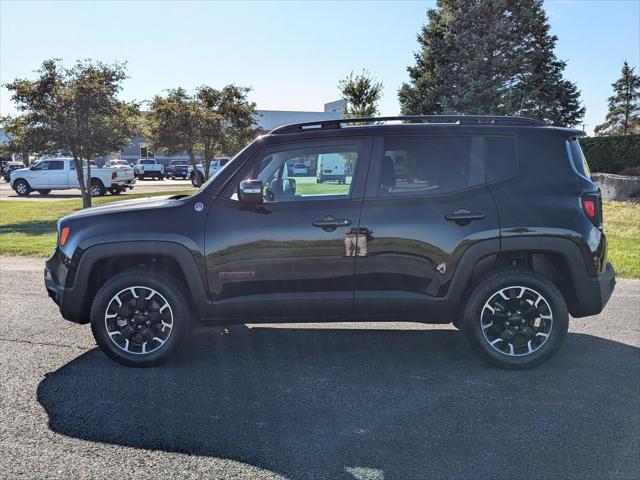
[198, 207]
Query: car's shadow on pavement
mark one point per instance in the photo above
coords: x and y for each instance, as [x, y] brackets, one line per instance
[396, 404]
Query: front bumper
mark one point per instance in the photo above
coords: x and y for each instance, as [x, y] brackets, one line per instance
[592, 294]
[56, 270]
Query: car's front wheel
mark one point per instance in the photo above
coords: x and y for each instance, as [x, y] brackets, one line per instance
[22, 188]
[197, 180]
[516, 319]
[140, 317]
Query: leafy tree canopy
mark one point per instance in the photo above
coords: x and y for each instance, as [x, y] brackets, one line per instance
[208, 123]
[73, 111]
[490, 57]
[361, 94]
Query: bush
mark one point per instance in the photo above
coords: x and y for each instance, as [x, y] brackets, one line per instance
[612, 154]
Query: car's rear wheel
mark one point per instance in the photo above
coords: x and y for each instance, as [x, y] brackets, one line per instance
[139, 317]
[22, 188]
[516, 319]
[97, 188]
[44, 191]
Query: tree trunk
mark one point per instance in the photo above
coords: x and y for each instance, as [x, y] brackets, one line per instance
[192, 157]
[86, 198]
[25, 159]
[207, 161]
[88, 185]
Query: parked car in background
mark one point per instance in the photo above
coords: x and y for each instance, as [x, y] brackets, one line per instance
[331, 167]
[177, 168]
[197, 178]
[10, 167]
[146, 167]
[479, 239]
[117, 164]
[60, 174]
[299, 170]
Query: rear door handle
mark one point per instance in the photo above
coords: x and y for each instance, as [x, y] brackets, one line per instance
[464, 215]
[329, 222]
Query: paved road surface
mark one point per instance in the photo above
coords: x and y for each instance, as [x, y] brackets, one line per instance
[333, 402]
[141, 186]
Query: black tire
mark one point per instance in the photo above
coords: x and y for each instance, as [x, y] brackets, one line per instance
[97, 188]
[116, 190]
[44, 191]
[161, 177]
[22, 187]
[529, 345]
[196, 180]
[166, 289]
[141, 176]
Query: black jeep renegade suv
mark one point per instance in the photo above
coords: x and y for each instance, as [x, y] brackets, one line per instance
[491, 223]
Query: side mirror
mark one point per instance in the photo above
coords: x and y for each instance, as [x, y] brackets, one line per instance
[250, 192]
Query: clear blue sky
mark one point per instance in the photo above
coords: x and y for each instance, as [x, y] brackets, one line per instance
[291, 53]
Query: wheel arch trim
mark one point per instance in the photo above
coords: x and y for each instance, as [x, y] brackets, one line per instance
[192, 270]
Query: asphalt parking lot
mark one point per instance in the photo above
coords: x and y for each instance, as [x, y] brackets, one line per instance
[367, 401]
[141, 186]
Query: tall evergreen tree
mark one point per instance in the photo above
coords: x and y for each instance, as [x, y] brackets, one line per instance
[489, 57]
[624, 105]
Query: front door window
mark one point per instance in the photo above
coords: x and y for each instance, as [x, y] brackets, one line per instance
[334, 168]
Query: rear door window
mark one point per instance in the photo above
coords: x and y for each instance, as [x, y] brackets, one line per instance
[56, 165]
[430, 164]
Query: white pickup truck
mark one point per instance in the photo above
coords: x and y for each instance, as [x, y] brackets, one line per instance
[215, 165]
[145, 167]
[60, 174]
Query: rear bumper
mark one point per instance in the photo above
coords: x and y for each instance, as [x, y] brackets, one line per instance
[593, 293]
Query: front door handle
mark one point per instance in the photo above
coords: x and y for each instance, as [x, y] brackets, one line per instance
[463, 216]
[330, 223]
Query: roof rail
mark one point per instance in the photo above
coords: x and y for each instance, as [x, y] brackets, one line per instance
[454, 119]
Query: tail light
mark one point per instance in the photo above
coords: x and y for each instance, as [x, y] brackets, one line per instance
[114, 175]
[592, 207]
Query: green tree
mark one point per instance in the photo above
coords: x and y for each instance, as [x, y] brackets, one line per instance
[209, 123]
[22, 140]
[228, 117]
[489, 57]
[361, 94]
[73, 111]
[174, 124]
[623, 117]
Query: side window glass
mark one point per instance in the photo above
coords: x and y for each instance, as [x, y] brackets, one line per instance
[579, 160]
[500, 157]
[56, 165]
[328, 173]
[44, 165]
[430, 165]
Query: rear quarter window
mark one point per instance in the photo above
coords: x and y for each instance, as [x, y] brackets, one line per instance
[578, 159]
[500, 158]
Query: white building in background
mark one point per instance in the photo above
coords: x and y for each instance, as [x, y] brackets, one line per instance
[265, 119]
[270, 119]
